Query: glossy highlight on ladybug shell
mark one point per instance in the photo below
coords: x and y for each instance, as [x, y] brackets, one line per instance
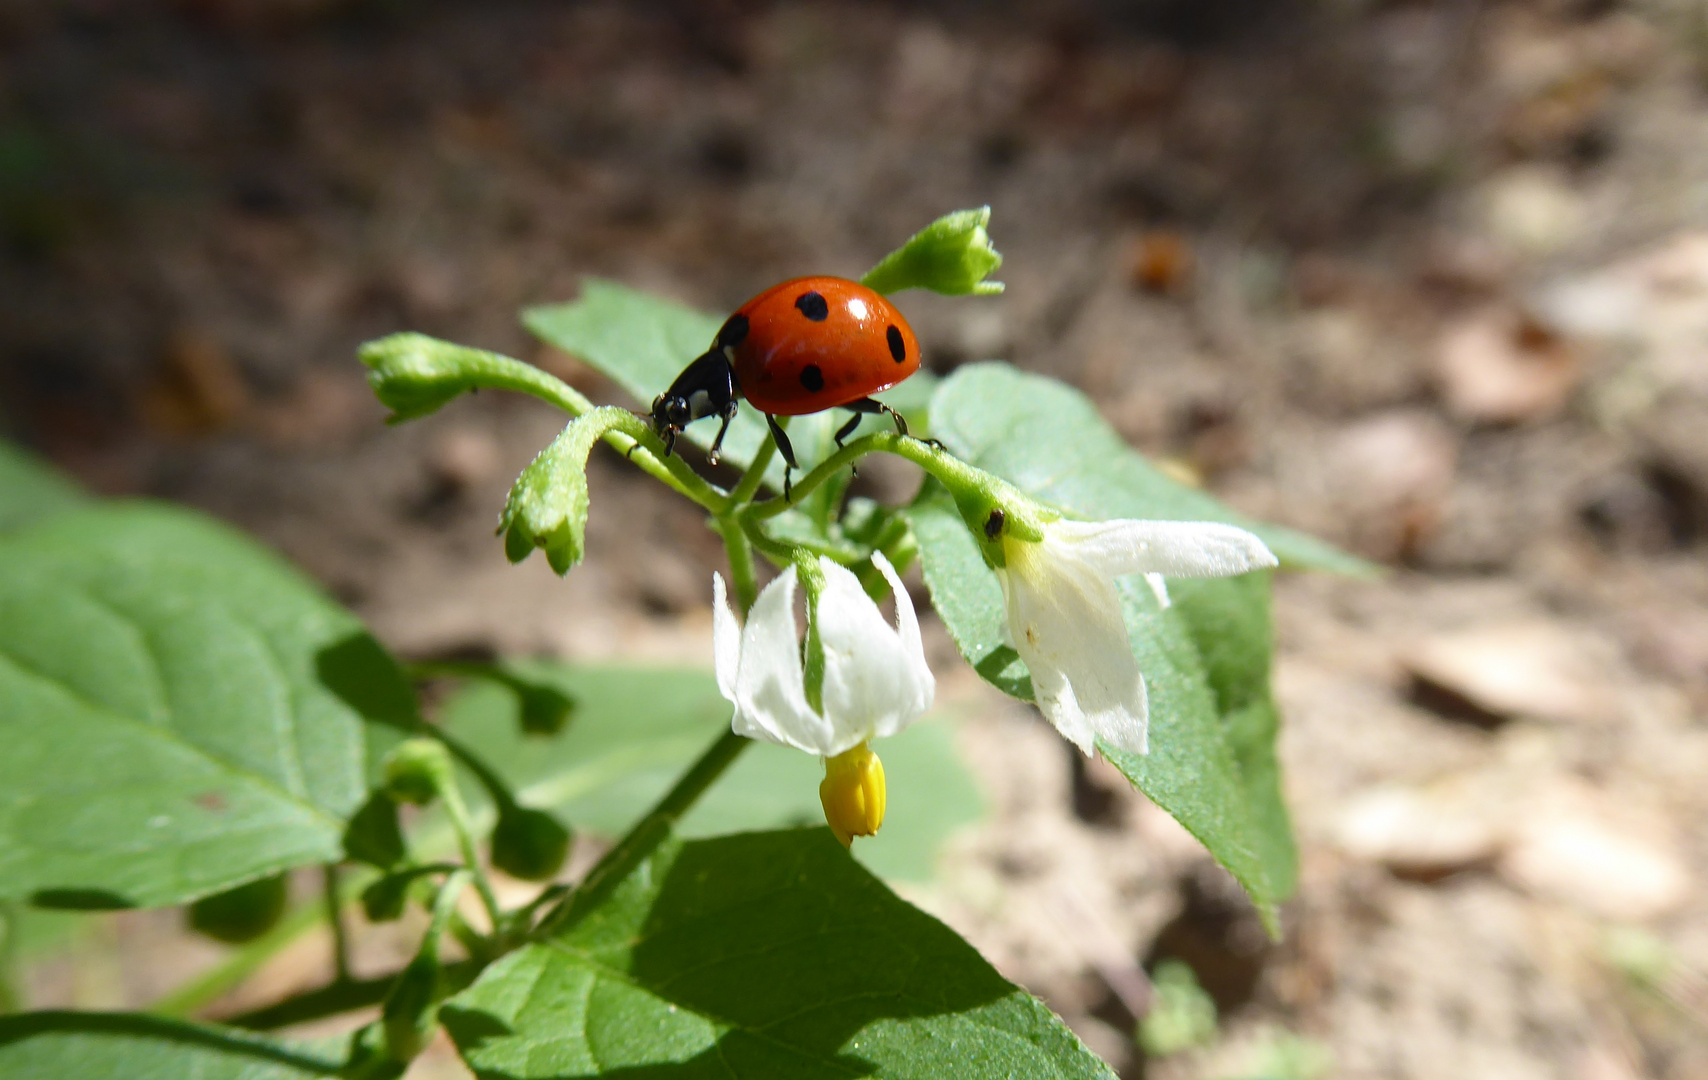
[814, 343]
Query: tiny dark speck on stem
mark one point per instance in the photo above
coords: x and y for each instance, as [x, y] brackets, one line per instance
[993, 524]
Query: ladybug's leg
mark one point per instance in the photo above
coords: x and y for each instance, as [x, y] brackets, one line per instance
[717, 443]
[848, 429]
[785, 449]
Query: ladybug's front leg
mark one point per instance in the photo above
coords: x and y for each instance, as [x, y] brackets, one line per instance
[785, 449]
[717, 443]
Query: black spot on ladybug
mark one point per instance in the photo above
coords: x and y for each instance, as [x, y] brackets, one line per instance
[812, 305]
[993, 524]
[811, 377]
[733, 332]
[898, 347]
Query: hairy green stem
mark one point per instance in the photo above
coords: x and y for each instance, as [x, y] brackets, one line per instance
[753, 477]
[939, 463]
[740, 551]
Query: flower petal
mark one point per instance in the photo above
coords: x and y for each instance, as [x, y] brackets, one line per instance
[770, 687]
[1065, 617]
[875, 684]
[726, 640]
[1171, 548]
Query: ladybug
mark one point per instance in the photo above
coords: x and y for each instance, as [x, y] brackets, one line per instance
[806, 345]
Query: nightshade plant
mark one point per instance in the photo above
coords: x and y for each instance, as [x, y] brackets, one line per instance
[185, 720]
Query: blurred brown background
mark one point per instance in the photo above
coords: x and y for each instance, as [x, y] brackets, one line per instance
[1429, 279]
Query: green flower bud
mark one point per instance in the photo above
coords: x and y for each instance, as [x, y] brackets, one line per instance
[241, 914]
[547, 507]
[529, 844]
[414, 375]
[417, 771]
[953, 255]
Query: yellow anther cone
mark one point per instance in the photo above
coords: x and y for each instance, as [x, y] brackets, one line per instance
[853, 793]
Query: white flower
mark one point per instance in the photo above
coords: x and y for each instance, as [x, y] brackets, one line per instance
[876, 682]
[1064, 614]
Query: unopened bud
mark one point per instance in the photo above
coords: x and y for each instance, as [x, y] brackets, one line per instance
[953, 255]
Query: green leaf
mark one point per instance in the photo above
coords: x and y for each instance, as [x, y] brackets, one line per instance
[98, 1046]
[1049, 440]
[181, 711]
[547, 507]
[757, 955]
[635, 729]
[30, 490]
[1206, 659]
[643, 342]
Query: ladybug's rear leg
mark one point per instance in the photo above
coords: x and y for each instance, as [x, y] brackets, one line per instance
[785, 449]
[874, 406]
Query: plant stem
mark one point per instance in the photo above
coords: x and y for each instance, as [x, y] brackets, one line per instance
[754, 476]
[939, 463]
[336, 998]
[647, 834]
[458, 813]
[742, 578]
[335, 919]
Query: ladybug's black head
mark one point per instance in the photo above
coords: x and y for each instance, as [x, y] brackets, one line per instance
[670, 413]
[705, 388]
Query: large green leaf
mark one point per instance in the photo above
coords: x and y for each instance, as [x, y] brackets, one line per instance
[30, 490]
[127, 1046]
[633, 731]
[1192, 771]
[643, 342]
[758, 955]
[181, 712]
[1206, 660]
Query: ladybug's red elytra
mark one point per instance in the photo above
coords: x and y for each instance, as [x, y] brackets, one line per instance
[806, 345]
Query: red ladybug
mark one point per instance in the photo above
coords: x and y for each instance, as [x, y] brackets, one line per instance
[809, 344]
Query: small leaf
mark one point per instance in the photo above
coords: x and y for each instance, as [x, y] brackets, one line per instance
[1205, 660]
[637, 728]
[85, 1046]
[953, 255]
[547, 507]
[30, 490]
[181, 711]
[764, 954]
